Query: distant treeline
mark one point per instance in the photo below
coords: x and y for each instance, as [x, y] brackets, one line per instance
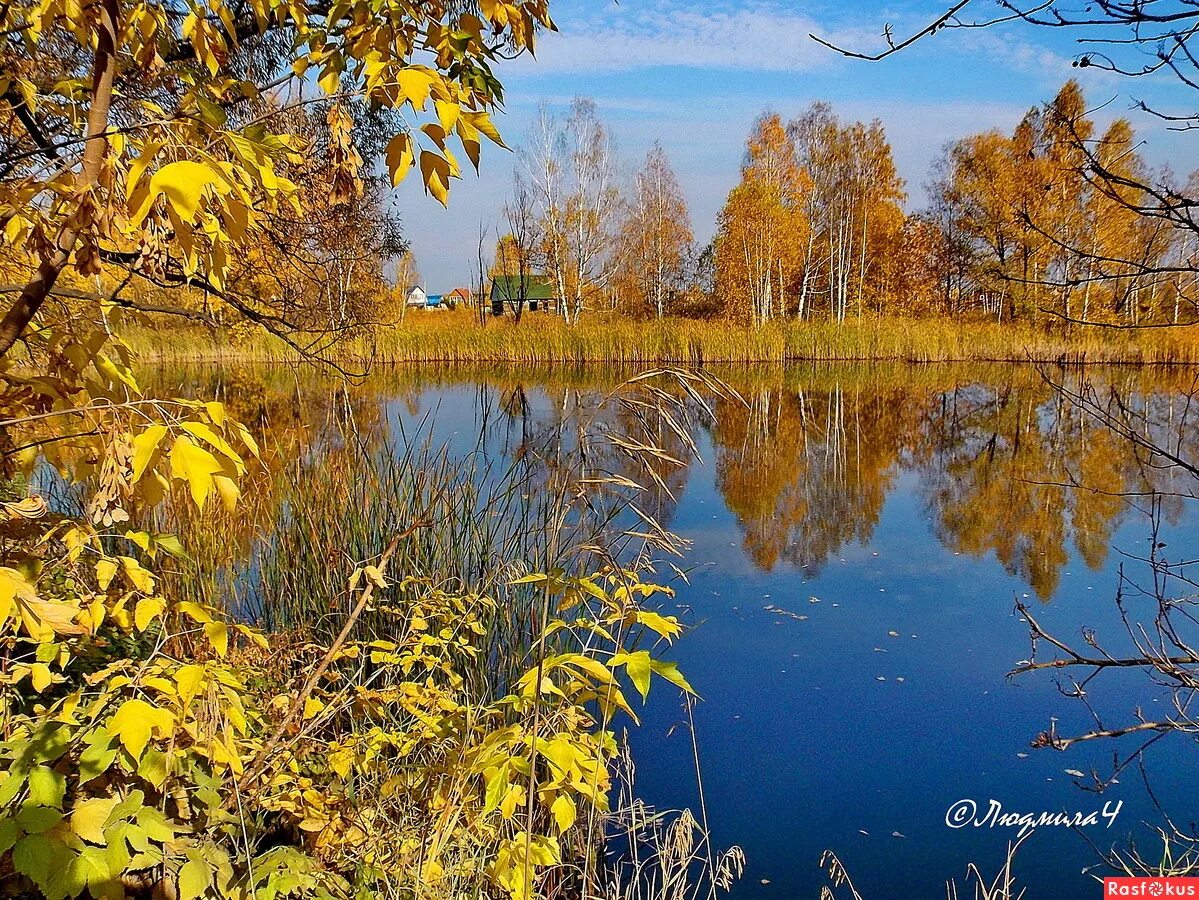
[1046, 224]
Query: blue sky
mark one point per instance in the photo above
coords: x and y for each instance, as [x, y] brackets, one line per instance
[695, 75]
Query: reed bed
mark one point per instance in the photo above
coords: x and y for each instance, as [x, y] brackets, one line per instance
[458, 337]
[470, 528]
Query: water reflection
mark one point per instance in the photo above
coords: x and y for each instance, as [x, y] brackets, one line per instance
[804, 458]
[911, 502]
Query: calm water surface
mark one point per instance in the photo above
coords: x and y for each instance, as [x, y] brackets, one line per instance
[901, 512]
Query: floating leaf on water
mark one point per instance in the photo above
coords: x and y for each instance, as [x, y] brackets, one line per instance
[879, 678]
[864, 831]
[813, 599]
[892, 634]
[901, 678]
[898, 834]
[1021, 756]
[1076, 773]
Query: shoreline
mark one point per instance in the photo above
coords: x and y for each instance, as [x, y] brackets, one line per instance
[454, 339]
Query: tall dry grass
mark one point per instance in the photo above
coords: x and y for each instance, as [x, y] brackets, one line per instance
[458, 337]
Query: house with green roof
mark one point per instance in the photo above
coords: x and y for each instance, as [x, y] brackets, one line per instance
[535, 292]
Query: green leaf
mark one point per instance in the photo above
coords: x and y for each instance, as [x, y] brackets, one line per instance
[96, 758]
[36, 819]
[102, 882]
[33, 855]
[497, 787]
[46, 787]
[155, 825]
[171, 545]
[9, 832]
[10, 787]
[153, 767]
[194, 879]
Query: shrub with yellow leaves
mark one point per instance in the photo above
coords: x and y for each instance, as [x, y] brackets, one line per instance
[153, 744]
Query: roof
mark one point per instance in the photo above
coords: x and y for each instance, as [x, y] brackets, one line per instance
[461, 292]
[509, 288]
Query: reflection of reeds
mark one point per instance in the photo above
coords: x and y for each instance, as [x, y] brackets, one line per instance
[471, 528]
[457, 337]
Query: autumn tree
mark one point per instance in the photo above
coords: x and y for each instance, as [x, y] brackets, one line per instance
[572, 170]
[655, 236]
[853, 208]
[1140, 40]
[1041, 235]
[762, 227]
[149, 143]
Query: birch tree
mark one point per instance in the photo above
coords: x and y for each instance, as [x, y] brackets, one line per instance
[656, 235]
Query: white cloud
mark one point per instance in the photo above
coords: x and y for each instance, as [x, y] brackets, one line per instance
[644, 33]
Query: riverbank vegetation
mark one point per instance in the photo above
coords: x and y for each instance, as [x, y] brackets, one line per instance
[456, 337]
[417, 702]
[1023, 251]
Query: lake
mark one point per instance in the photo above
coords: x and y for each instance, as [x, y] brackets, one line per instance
[860, 536]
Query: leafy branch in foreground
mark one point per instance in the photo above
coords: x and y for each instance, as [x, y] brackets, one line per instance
[152, 744]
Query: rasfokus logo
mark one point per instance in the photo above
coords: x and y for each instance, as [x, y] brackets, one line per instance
[1151, 887]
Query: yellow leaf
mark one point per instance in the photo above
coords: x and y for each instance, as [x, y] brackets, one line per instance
[148, 609]
[216, 412]
[218, 636]
[136, 721]
[399, 157]
[189, 678]
[88, 818]
[39, 674]
[482, 122]
[196, 466]
[415, 85]
[46, 619]
[138, 577]
[312, 707]
[183, 184]
[210, 437]
[436, 173]
[228, 489]
[564, 812]
[12, 586]
[106, 570]
[447, 114]
[194, 879]
[637, 665]
[194, 611]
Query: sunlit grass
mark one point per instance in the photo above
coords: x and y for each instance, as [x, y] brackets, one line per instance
[458, 337]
